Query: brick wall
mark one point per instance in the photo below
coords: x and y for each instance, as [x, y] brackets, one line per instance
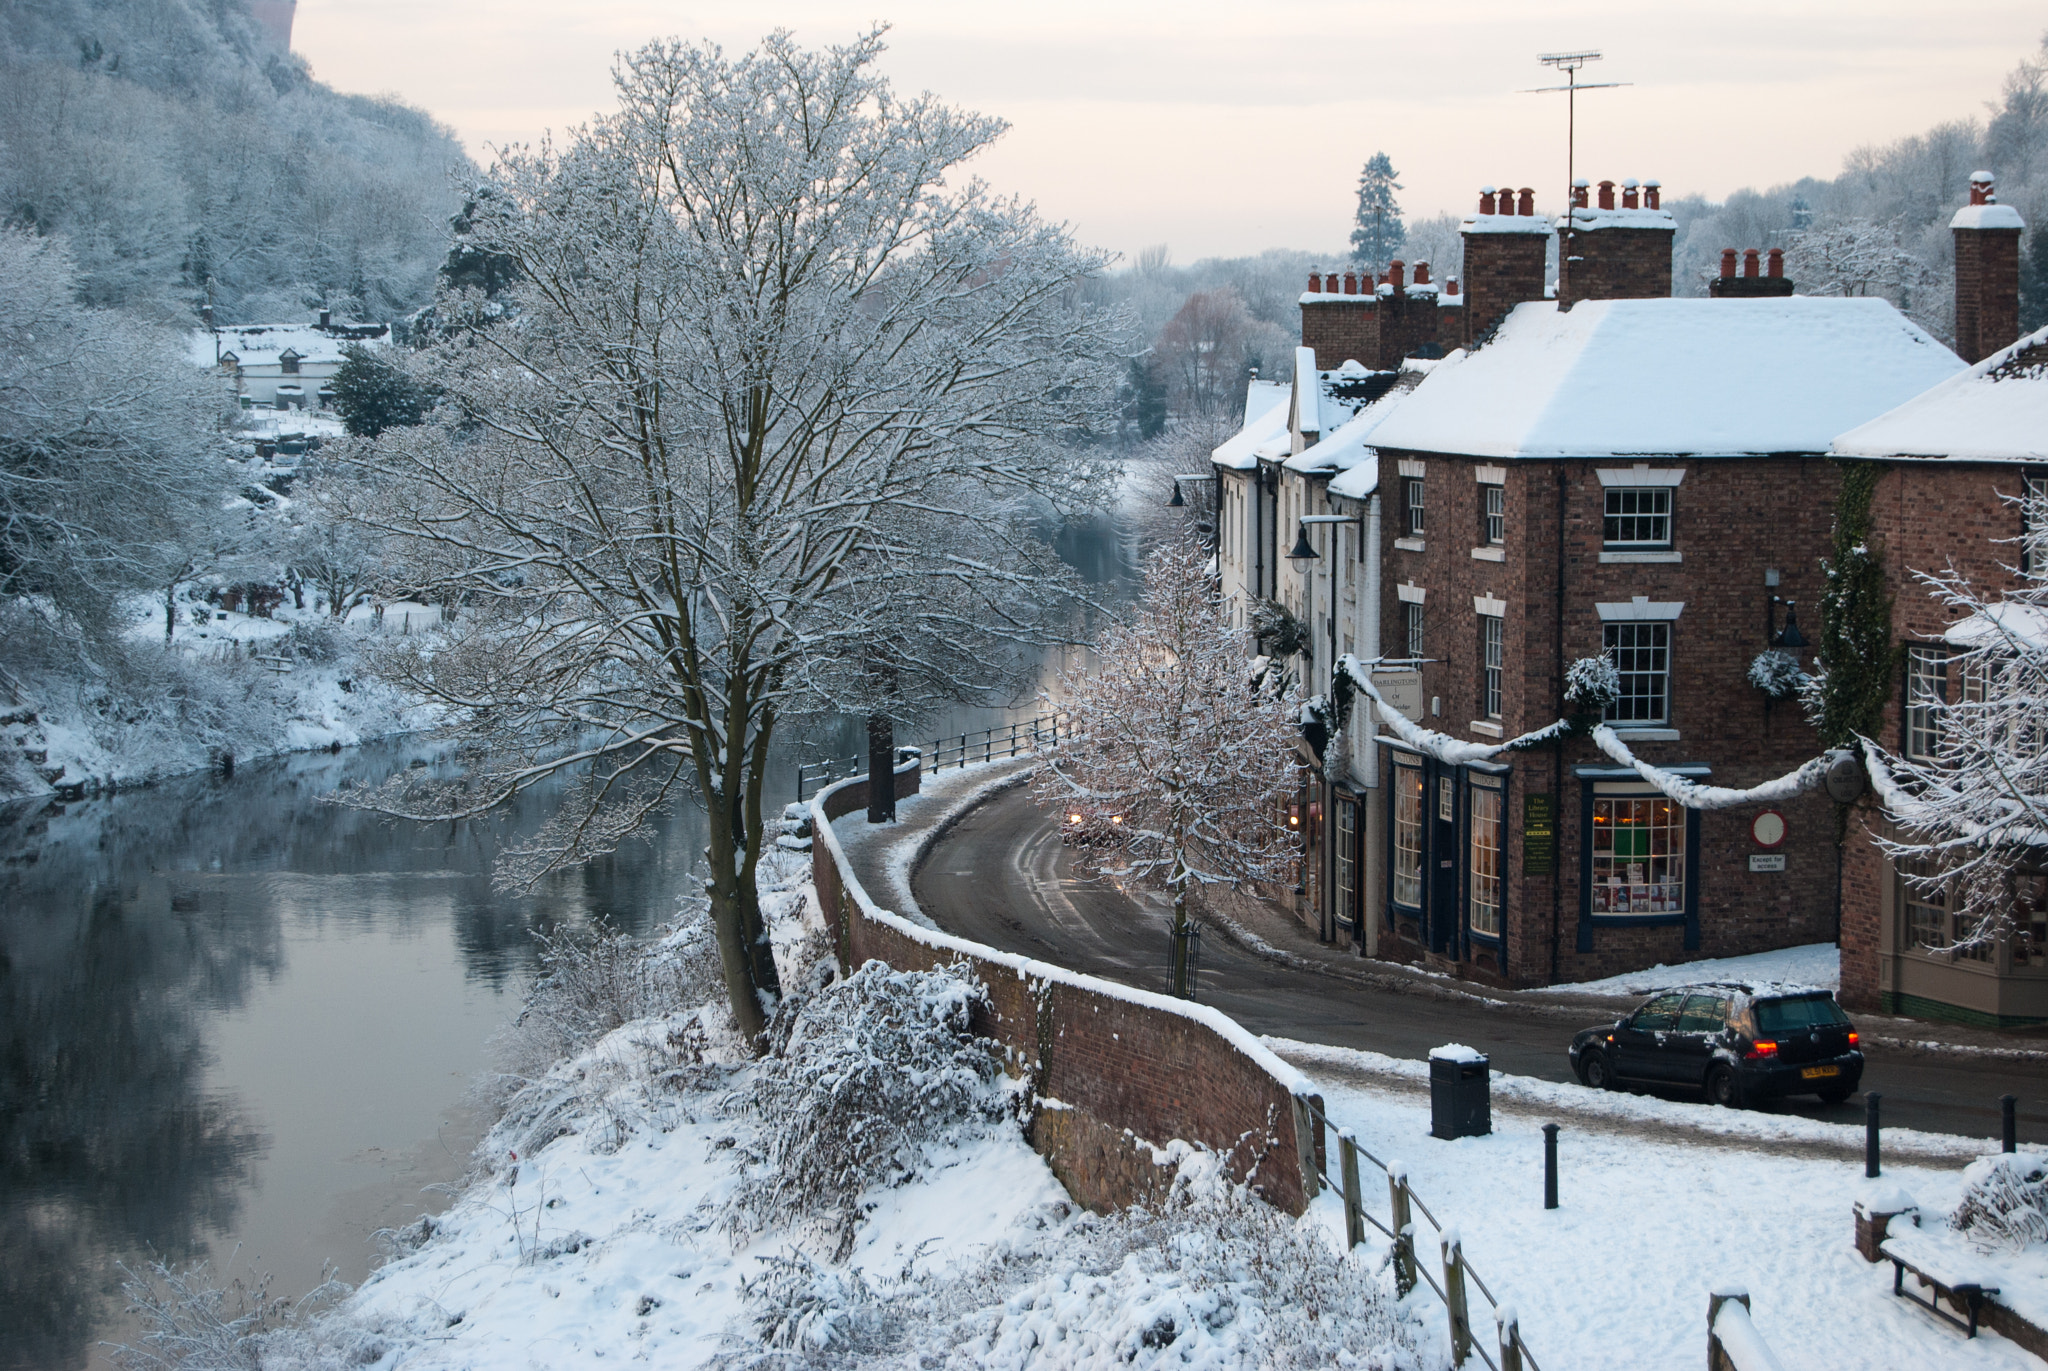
[1735, 518]
[1619, 264]
[1342, 329]
[1114, 1071]
[1987, 291]
[1502, 270]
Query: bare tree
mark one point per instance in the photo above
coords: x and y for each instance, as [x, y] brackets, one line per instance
[1203, 351]
[784, 385]
[1182, 754]
[1973, 817]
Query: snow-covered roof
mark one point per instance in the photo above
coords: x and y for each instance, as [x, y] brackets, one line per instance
[1997, 411]
[256, 345]
[1987, 217]
[1265, 419]
[1667, 376]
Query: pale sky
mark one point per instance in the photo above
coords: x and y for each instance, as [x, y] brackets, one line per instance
[1226, 129]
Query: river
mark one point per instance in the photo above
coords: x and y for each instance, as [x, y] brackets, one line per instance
[242, 1025]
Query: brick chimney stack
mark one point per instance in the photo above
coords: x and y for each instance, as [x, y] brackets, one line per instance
[1340, 320]
[1506, 244]
[1753, 283]
[1617, 252]
[1987, 238]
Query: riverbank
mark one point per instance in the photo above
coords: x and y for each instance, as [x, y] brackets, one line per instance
[237, 689]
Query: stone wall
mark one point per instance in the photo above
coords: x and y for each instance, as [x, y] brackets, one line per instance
[1116, 1073]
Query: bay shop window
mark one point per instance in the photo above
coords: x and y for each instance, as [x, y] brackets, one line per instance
[1638, 854]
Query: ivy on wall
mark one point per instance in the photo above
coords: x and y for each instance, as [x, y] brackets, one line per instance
[1858, 659]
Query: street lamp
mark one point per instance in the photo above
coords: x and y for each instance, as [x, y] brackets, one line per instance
[1303, 553]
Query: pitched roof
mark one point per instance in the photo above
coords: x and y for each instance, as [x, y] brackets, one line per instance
[1615, 378]
[1265, 419]
[1997, 411]
[256, 345]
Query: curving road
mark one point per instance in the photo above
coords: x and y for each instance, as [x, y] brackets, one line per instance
[1000, 875]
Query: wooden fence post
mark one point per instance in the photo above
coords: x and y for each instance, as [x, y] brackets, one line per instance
[1454, 1297]
[1510, 1338]
[1354, 1199]
[1305, 1126]
[1404, 1229]
[1717, 1356]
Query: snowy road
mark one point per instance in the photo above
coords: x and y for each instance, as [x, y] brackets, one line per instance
[1000, 876]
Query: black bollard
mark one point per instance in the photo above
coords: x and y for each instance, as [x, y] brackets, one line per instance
[2008, 1123]
[1870, 1099]
[1550, 1166]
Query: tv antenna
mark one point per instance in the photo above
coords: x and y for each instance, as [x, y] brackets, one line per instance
[1570, 64]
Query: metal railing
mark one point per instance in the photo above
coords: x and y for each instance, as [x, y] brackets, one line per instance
[954, 750]
[1400, 1230]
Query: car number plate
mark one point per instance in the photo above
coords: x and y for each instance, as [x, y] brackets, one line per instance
[1814, 1073]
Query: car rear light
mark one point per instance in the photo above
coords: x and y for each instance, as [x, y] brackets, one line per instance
[1854, 1037]
[1761, 1049]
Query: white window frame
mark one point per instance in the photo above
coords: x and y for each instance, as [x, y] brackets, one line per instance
[1493, 514]
[1492, 663]
[1614, 629]
[1654, 495]
[1485, 889]
[1926, 692]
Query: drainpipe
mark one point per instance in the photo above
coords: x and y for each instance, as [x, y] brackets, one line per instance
[1557, 751]
[1368, 913]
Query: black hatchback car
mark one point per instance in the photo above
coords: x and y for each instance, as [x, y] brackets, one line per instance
[1738, 1043]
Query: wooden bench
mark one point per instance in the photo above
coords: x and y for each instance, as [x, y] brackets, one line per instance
[1951, 1273]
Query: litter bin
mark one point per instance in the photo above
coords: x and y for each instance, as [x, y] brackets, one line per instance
[1460, 1093]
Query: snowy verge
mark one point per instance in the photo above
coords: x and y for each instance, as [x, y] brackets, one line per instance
[1814, 964]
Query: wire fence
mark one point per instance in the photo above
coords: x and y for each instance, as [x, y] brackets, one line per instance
[1403, 1203]
[955, 750]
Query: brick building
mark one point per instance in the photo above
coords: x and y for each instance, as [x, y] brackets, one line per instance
[1645, 480]
[1953, 463]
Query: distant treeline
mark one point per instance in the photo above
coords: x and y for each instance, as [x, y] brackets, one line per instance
[171, 144]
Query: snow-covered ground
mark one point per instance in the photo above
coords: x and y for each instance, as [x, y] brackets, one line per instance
[1815, 964]
[1650, 1221]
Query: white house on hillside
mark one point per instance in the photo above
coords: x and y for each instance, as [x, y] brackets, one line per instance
[282, 366]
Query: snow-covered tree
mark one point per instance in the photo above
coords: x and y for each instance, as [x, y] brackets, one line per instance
[111, 447]
[1852, 256]
[1201, 353]
[1973, 818]
[1379, 233]
[1182, 759]
[781, 389]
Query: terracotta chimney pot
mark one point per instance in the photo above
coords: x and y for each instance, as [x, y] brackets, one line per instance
[1982, 188]
[1315, 283]
[1528, 205]
[1396, 273]
[1727, 263]
[1749, 257]
[1486, 200]
[1630, 196]
[1451, 286]
[1422, 273]
[1607, 195]
[1777, 267]
[1653, 194]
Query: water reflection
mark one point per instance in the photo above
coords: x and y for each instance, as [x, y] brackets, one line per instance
[137, 931]
[230, 1012]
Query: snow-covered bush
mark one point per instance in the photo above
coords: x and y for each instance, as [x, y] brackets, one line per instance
[1591, 684]
[594, 980]
[1777, 674]
[1214, 1277]
[2005, 1201]
[858, 1080]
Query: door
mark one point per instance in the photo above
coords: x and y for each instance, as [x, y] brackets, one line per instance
[1640, 1039]
[1690, 1049]
[1443, 865]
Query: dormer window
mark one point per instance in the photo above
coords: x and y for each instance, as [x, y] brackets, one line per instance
[289, 360]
